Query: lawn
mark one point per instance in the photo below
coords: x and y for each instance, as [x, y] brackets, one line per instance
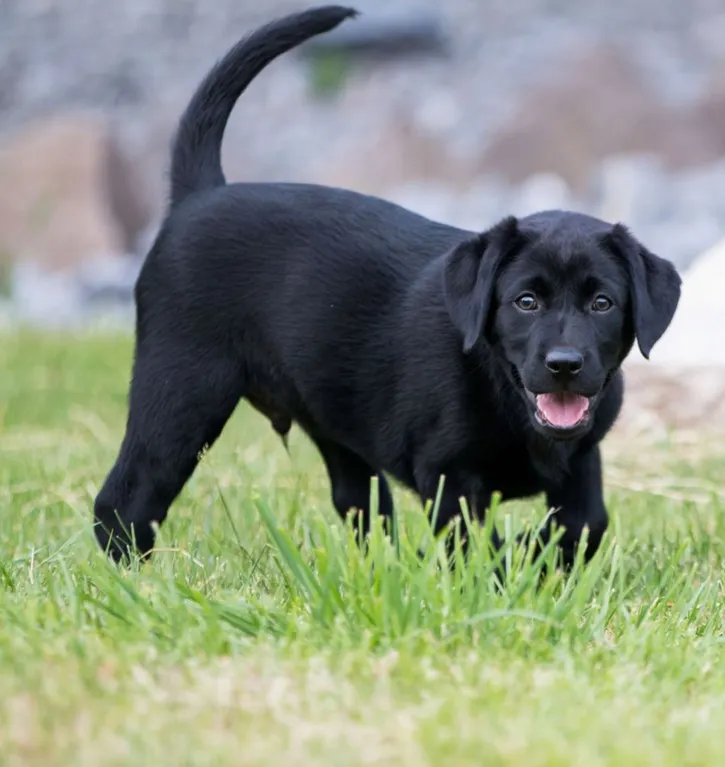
[261, 635]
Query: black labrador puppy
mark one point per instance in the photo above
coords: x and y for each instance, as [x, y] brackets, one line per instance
[401, 346]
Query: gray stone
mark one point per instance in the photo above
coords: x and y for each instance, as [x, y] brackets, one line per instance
[487, 201]
[433, 200]
[400, 33]
[45, 299]
[108, 281]
[630, 187]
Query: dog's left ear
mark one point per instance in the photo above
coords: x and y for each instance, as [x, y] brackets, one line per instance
[469, 277]
[654, 286]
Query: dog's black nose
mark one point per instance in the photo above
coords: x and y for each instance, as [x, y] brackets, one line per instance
[564, 362]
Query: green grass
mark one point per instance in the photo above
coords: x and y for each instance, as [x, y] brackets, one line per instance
[261, 635]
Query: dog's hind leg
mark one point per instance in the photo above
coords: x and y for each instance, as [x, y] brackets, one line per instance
[350, 480]
[180, 400]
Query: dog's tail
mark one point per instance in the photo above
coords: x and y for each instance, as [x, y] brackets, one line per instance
[196, 149]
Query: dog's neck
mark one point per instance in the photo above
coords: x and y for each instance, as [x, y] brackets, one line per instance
[550, 457]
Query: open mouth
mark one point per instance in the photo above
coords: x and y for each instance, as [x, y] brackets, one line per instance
[562, 410]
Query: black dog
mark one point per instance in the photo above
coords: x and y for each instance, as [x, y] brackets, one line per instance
[399, 345]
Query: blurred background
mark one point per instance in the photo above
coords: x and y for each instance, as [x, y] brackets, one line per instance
[463, 110]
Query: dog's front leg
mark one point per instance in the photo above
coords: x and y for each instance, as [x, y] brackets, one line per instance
[578, 503]
[446, 500]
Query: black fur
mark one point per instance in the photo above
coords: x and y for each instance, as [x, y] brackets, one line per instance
[392, 340]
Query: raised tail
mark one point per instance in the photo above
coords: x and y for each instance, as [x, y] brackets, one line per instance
[196, 150]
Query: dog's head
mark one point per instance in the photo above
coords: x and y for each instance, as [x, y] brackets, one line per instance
[560, 298]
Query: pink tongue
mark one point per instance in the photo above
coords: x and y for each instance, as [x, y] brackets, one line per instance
[563, 409]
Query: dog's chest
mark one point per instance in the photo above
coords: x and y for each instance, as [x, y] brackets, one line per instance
[511, 473]
[516, 462]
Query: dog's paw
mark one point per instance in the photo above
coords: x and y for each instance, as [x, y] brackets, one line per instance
[123, 544]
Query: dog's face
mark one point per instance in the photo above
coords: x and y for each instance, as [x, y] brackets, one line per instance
[560, 320]
[559, 297]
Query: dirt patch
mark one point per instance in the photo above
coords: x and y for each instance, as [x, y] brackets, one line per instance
[660, 400]
[67, 193]
[599, 105]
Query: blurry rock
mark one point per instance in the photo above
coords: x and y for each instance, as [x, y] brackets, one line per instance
[432, 200]
[629, 186]
[109, 280]
[438, 112]
[486, 201]
[677, 215]
[402, 152]
[382, 33]
[98, 292]
[699, 131]
[67, 192]
[146, 238]
[682, 238]
[46, 299]
[542, 191]
[699, 190]
[598, 105]
[130, 199]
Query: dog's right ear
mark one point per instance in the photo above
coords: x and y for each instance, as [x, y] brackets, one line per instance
[469, 277]
[655, 286]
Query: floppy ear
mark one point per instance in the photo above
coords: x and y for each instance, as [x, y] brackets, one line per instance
[469, 277]
[654, 287]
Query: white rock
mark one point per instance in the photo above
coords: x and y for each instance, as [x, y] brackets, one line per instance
[426, 198]
[43, 298]
[542, 191]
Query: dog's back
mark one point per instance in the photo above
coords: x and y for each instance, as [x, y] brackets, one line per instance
[275, 265]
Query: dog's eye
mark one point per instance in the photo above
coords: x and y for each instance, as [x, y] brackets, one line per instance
[602, 304]
[527, 302]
